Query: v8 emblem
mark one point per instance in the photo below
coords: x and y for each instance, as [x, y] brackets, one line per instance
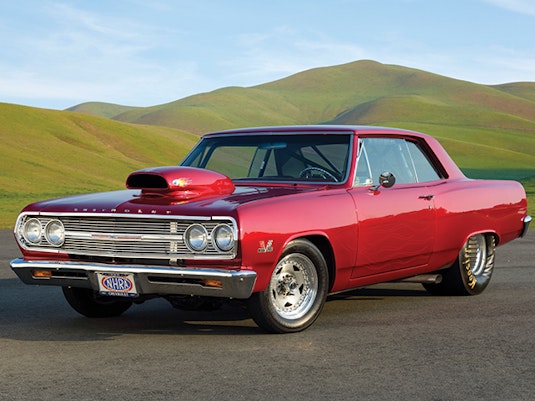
[265, 246]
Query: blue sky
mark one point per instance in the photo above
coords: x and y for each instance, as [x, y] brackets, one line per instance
[56, 54]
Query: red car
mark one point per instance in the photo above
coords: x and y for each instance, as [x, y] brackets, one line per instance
[280, 217]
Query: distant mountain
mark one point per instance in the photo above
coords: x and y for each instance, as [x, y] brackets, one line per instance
[108, 110]
[524, 90]
[362, 92]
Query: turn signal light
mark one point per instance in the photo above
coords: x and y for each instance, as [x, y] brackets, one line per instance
[212, 283]
[41, 273]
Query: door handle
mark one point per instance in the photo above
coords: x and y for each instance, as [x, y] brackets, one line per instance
[426, 197]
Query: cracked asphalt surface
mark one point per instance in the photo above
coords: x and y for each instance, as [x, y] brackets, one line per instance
[385, 342]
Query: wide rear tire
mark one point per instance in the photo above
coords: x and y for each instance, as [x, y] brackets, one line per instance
[89, 303]
[297, 290]
[471, 272]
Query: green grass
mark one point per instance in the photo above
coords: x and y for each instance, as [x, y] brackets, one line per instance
[529, 186]
[48, 153]
[107, 110]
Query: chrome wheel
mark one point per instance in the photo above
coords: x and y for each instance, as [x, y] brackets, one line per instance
[296, 292]
[472, 271]
[294, 286]
[475, 256]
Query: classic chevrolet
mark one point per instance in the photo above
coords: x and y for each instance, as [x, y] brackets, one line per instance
[277, 216]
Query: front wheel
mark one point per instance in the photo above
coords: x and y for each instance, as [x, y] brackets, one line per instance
[296, 292]
[89, 303]
[471, 272]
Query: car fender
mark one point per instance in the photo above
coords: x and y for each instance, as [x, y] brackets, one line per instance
[268, 226]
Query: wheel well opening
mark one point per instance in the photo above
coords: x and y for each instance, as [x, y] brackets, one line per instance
[487, 235]
[326, 249]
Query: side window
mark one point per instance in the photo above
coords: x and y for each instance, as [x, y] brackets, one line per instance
[398, 156]
[425, 171]
[364, 174]
[388, 154]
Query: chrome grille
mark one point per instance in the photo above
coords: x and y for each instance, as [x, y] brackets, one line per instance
[128, 236]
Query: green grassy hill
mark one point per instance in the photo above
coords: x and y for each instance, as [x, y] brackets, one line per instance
[47, 153]
[520, 89]
[100, 109]
[488, 130]
[348, 93]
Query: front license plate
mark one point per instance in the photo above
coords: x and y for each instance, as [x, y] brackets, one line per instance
[117, 284]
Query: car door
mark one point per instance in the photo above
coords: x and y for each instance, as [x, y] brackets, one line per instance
[396, 225]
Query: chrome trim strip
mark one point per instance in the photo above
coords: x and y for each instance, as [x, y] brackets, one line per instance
[104, 236]
[149, 279]
[125, 215]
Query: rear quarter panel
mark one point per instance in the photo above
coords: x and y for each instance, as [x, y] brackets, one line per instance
[466, 207]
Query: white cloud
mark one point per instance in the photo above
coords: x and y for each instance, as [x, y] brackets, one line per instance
[511, 68]
[526, 7]
[83, 56]
[282, 51]
[115, 28]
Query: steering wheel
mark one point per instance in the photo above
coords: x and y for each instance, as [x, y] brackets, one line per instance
[305, 173]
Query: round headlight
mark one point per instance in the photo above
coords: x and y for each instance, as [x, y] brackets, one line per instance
[32, 231]
[55, 233]
[196, 237]
[223, 237]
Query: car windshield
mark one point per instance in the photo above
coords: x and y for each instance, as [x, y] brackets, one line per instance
[310, 157]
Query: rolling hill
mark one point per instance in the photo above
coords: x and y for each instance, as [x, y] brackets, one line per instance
[498, 119]
[328, 94]
[488, 129]
[48, 153]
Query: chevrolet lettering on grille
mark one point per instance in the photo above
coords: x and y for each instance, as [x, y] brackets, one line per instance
[118, 237]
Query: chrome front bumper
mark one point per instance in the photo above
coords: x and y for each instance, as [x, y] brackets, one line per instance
[158, 280]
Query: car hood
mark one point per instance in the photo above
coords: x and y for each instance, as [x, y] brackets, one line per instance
[170, 191]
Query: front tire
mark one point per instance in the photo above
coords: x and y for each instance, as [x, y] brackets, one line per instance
[89, 303]
[297, 290]
[471, 272]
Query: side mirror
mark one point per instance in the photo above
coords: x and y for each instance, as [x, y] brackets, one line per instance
[387, 179]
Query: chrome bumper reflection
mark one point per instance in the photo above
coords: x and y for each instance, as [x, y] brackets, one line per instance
[158, 280]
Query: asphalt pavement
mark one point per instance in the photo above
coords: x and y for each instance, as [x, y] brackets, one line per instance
[385, 342]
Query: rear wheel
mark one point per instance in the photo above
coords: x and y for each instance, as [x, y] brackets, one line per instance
[89, 303]
[296, 292]
[471, 272]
